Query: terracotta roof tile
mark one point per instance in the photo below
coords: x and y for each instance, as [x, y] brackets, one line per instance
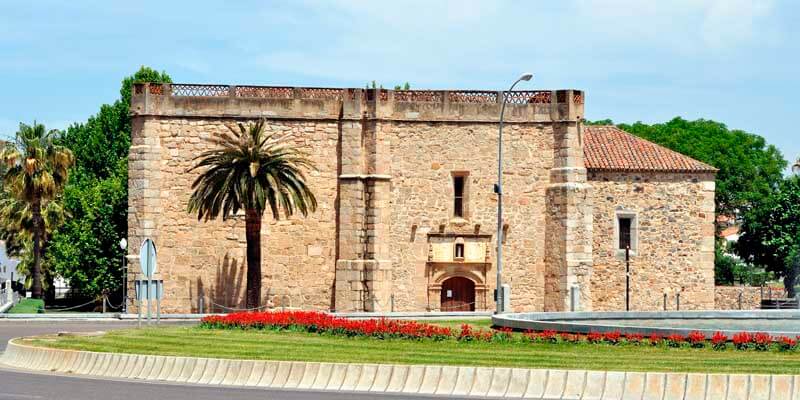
[608, 148]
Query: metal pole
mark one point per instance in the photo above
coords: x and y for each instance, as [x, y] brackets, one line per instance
[124, 285]
[573, 298]
[499, 190]
[148, 300]
[158, 303]
[627, 278]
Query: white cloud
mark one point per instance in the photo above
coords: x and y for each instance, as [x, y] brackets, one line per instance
[730, 23]
[682, 25]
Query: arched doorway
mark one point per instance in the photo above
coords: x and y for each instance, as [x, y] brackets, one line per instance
[458, 294]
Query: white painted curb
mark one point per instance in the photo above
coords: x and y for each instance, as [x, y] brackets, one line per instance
[434, 380]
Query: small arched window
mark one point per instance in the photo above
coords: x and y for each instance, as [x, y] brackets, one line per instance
[458, 249]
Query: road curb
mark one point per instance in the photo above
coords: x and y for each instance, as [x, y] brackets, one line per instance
[410, 379]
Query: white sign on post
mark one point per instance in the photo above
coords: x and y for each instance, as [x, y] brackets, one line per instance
[147, 258]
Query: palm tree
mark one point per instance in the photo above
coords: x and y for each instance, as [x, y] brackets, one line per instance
[251, 170]
[16, 229]
[37, 170]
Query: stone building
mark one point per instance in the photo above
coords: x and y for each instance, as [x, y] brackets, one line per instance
[407, 216]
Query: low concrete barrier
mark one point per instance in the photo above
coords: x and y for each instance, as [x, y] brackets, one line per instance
[431, 380]
[671, 322]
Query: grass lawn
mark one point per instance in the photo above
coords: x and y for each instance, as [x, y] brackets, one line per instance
[27, 306]
[270, 345]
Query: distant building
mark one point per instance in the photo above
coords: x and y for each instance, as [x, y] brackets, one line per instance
[8, 266]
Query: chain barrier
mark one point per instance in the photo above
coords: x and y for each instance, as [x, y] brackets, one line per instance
[78, 306]
[111, 306]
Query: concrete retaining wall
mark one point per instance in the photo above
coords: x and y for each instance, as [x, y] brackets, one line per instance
[436, 380]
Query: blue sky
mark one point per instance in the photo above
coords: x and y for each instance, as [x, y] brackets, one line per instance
[734, 61]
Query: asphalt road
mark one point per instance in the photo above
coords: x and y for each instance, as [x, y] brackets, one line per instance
[21, 385]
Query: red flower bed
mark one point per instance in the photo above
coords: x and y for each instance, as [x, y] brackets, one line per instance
[634, 338]
[322, 323]
[742, 340]
[594, 337]
[719, 341]
[318, 322]
[762, 341]
[786, 343]
[696, 339]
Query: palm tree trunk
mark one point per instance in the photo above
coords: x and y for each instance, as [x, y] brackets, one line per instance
[789, 280]
[36, 273]
[253, 235]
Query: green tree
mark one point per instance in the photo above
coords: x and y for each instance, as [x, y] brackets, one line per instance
[375, 85]
[37, 171]
[729, 270]
[85, 249]
[251, 170]
[606, 121]
[771, 232]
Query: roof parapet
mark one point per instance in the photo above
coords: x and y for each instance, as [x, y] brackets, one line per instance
[312, 102]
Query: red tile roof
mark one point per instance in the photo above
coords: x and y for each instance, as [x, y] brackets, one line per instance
[608, 148]
[731, 230]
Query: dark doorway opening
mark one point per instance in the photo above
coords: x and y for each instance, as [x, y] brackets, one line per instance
[458, 294]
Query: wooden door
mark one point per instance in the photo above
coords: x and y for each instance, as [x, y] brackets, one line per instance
[458, 294]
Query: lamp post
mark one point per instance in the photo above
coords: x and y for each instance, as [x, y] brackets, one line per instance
[498, 188]
[123, 244]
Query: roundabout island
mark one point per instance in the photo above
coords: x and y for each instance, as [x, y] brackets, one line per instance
[772, 322]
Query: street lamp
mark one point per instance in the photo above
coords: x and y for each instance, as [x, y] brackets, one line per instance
[123, 244]
[498, 188]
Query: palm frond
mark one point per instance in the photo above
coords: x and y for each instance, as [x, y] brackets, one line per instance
[250, 168]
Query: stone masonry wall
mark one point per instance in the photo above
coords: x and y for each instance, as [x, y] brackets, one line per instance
[424, 158]
[675, 251]
[207, 259]
[727, 297]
